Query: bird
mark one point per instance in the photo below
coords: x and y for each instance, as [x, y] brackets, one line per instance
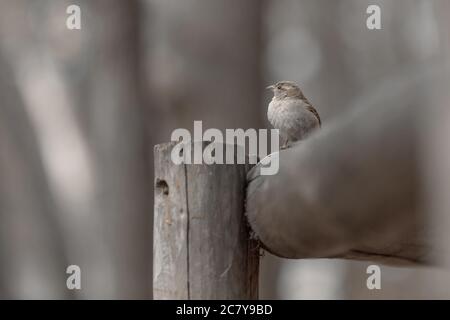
[291, 113]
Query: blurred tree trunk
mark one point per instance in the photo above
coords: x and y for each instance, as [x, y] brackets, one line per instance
[32, 255]
[80, 91]
[202, 62]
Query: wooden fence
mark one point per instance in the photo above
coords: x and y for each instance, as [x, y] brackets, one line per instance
[353, 190]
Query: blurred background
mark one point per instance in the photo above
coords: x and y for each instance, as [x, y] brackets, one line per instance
[80, 111]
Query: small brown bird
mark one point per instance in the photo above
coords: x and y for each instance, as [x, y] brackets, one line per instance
[291, 113]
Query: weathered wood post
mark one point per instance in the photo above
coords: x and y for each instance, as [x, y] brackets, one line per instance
[202, 248]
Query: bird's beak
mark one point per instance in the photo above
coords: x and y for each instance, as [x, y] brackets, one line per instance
[271, 87]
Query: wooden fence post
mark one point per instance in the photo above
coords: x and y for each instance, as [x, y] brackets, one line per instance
[202, 248]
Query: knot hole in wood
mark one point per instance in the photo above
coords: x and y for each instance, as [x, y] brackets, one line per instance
[162, 186]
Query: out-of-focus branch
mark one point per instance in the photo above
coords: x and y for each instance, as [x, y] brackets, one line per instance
[353, 189]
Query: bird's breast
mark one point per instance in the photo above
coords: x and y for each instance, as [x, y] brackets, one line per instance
[292, 118]
[281, 110]
[275, 112]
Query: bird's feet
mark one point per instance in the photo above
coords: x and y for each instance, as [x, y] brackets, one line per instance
[285, 145]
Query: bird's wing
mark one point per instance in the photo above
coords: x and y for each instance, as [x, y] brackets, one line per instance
[298, 121]
[314, 111]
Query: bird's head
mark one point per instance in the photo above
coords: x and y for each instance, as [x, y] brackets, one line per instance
[286, 89]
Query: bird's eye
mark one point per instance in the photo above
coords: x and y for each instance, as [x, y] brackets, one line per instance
[279, 87]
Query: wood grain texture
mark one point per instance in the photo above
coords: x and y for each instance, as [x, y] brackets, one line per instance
[170, 267]
[202, 246]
